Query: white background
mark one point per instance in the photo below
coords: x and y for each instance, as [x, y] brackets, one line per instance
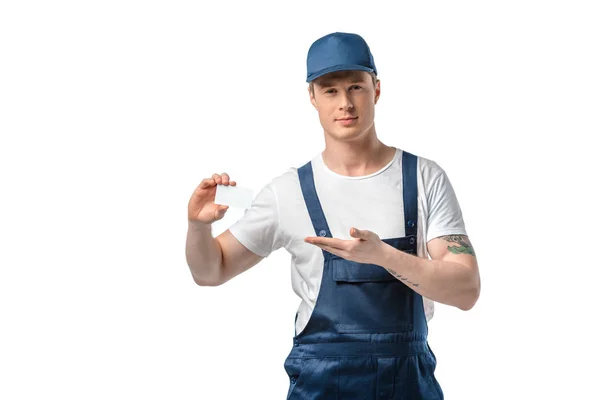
[112, 112]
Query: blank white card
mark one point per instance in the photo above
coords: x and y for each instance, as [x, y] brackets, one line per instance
[234, 196]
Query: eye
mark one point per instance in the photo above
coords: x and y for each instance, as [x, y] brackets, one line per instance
[329, 91]
[355, 87]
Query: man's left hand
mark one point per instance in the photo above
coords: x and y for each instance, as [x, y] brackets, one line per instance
[366, 247]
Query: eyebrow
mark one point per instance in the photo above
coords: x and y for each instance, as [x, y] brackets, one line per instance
[329, 83]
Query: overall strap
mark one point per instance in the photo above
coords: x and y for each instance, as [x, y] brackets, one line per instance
[307, 184]
[410, 194]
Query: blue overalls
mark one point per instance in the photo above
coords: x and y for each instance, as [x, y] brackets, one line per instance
[367, 335]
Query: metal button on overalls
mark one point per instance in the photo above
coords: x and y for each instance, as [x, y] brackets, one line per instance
[367, 335]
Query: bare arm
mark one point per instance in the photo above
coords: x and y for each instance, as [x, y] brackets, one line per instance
[213, 261]
[450, 277]
[203, 254]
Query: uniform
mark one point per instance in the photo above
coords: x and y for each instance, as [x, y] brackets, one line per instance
[357, 327]
[360, 333]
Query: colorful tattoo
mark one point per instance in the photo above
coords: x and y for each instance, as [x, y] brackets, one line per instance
[465, 245]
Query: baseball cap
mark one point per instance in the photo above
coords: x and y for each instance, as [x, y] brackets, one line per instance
[338, 51]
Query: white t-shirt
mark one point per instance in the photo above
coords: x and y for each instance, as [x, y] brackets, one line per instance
[278, 217]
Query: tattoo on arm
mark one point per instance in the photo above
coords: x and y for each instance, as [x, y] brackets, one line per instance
[465, 245]
[403, 279]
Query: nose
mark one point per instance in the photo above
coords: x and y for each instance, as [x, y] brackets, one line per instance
[345, 101]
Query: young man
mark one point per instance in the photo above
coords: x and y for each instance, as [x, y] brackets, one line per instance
[359, 220]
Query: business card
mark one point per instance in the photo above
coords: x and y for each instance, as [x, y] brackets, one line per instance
[234, 196]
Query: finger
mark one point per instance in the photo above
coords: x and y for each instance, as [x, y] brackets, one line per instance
[331, 250]
[225, 178]
[206, 183]
[232, 183]
[316, 243]
[331, 242]
[217, 178]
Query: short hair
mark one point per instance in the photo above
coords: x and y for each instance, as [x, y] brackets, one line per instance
[342, 74]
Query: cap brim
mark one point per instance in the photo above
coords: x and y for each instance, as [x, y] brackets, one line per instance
[336, 68]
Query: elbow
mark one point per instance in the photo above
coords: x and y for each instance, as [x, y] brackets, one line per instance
[470, 298]
[467, 305]
[201, 282]
[214, 280]
[206, 275]
[207, 281]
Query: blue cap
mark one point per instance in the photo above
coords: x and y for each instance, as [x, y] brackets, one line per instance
[338, 51]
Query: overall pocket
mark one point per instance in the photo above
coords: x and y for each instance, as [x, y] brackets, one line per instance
[424, 385]
[370, 299]
[314, 378]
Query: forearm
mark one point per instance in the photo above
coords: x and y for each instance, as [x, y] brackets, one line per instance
[442, 281]
[203, 254]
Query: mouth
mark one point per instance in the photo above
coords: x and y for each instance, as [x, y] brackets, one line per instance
[346, 121]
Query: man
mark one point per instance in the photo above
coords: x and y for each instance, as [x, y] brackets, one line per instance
[359, 220]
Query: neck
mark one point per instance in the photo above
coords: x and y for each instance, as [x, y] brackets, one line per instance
[357, 158]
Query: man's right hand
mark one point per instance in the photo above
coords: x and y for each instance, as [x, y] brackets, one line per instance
[202, 207]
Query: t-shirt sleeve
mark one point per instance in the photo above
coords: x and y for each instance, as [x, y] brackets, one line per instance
[444, 214]
[258, 229]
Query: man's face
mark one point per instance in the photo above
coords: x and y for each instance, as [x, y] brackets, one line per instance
[346, 102]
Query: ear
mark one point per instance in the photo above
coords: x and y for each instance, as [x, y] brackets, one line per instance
[377, 91]
[312, 99]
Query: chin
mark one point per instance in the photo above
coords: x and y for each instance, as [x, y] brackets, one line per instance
[350, 130]
[349, 134]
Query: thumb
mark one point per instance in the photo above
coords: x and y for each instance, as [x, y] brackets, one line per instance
[220, 212]
[358, 233]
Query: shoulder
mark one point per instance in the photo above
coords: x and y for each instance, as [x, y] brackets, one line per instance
[433, 181]
[288, 178]
[281, 188]
[284, 179]
[429, 169]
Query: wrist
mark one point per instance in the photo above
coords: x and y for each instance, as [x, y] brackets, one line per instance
[196, 225]
[384, 254]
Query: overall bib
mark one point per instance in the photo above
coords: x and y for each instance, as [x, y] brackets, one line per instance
[367, 335]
